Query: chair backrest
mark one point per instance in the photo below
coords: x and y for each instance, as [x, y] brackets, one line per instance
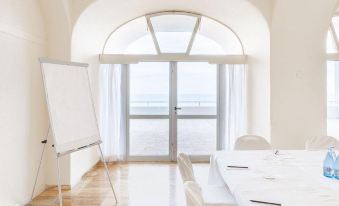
[193, 194]
[185, 167]
[321, 143]
[251, 142]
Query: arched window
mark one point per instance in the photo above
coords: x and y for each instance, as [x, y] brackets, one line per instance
[174, 35]
[178, 80]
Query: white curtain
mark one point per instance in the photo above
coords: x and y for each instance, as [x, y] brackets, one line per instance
[113, 112]
[232, 104]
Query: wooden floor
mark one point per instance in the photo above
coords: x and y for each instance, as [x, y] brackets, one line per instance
[136, 184]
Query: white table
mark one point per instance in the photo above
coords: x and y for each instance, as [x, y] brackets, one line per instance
[292, 178]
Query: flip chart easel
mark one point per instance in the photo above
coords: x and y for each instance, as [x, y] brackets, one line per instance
[72, 117]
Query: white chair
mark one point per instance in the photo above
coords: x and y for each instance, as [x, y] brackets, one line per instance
[196, 196]
[208, 195]
[321, 143]
[193, 194]
[185, 167]
[251, 142]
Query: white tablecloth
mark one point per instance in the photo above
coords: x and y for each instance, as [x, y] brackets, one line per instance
[292, 178]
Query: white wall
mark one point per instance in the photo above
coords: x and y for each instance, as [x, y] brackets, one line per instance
[257, 47]
[58, 19]
[298, 70]
[23, 118]
[57, 26]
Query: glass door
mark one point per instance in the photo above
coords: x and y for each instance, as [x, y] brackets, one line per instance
[172, 108]
[195, 109]
[148, 111]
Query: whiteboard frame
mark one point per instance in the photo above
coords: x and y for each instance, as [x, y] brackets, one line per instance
[85, 66]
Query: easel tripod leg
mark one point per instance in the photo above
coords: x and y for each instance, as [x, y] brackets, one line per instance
[107, 174]
[41, 158]
[37, 174]
[59, 184]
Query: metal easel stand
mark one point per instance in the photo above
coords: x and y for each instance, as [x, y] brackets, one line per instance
[102, 157]
[59, 184]
[42, 155]
[40, 163]
[107, 174]
[58, 168]
[58, 155]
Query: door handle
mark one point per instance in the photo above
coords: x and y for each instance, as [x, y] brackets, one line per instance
[177, 108]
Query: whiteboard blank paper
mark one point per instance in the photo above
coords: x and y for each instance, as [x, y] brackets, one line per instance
[70, 105]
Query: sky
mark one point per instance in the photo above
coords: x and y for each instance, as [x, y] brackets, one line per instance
[152, 80]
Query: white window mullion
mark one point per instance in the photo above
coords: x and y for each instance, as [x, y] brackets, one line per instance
[154, 38]
[195, 30]
[334, 35]
[173, 116]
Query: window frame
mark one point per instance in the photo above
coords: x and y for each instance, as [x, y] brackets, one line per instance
[105, 58]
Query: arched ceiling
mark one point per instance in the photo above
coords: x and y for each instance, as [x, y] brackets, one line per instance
[78, 6]
[101, 17]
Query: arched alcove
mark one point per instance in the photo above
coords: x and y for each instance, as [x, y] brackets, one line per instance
[102, 17]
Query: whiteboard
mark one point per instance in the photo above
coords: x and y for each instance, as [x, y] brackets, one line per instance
[70, 105]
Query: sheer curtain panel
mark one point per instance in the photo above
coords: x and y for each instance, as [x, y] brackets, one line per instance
[232, 104]
[113, 111]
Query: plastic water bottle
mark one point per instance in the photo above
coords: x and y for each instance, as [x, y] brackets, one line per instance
[336, 168]
[328, 165]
